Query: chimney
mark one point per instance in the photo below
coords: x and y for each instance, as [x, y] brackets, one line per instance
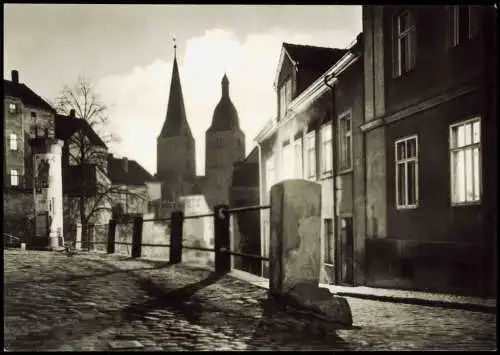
[72, 113]
[125, 164]
[15, 76]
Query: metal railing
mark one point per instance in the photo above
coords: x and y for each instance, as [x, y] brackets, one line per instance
[221, 221]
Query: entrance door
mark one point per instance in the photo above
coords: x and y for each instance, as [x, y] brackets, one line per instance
[346, 251]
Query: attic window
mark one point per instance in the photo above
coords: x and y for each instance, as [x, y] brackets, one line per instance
[285, 96]
[12, 108]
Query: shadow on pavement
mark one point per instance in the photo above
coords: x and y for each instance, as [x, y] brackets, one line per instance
[182, 299]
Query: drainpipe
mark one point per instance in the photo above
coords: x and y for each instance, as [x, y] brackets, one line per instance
[334, 172]
[259, 149]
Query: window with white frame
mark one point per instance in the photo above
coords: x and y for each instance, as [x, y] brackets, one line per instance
[406, 150]
[298, 158]
[287, 162]
[465, 158]
[405, 38]
[345, 141]
[270, 173]
[14, 177]
[285, 96]
[13, 141]
[12, 107]
[463, 23]
[311, 155]
[326, 149]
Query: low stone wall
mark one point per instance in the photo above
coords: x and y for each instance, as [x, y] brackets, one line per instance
[156, 233]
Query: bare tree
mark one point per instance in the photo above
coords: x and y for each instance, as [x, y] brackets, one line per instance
[92, 190]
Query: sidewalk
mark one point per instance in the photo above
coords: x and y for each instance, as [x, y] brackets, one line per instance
[396, 296]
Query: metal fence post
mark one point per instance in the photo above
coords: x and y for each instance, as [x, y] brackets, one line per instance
[137, 237]
[176, 221]
[111, 236]
[221, 231]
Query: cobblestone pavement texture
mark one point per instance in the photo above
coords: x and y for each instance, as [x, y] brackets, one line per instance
[93, 302]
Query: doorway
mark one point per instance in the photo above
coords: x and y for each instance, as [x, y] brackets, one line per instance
[346, 251]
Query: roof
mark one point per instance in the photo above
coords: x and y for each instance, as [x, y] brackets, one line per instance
[26, 95]
[225, 117]
[246, 172]
[317, 58]
[136, 174]
[314, 58]
[175, 121]
[66, 126]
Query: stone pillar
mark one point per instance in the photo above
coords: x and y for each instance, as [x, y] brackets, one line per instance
[78, 238]
[295, 235]
[295, 253]
[48, 190]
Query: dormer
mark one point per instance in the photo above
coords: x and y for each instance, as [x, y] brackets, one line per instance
[299, 66]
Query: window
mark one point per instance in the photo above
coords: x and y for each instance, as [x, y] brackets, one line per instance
[311, 155]
[12, 107]
[287, 161]
[13, 141]
[407, 172]
[345, 141]
[14, 177]
[326, 149]
[405, 39]
[270, 172]
[285, 96]
[463, 24]
[465, 157]
[328, 240]
[33, 114]
[298, 158]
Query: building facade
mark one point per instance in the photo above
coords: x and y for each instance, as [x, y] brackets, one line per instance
[430, 110]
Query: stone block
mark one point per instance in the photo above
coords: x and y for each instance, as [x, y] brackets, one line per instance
[320, 302]
[295, 254]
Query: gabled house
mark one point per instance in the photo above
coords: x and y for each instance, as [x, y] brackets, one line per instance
[26, 116]
[298, 142]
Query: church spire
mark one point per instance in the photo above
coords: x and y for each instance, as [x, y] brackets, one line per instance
[225, 86]
[176, 113]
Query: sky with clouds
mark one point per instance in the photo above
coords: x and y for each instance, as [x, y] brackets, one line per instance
[127, 51]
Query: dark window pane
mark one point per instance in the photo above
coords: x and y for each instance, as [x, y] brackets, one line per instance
[401, 150]
[463, 23]
[412, 148]
[401, 184]
[412, 187]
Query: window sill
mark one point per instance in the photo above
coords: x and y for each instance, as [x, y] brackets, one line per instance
[404, 208]
[345, 171]
[326, 175]
[329, 263]
[466, 204]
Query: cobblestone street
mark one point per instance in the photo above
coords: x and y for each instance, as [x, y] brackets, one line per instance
[98, 302]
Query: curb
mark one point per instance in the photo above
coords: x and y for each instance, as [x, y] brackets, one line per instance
[474, 307]
[423, 302]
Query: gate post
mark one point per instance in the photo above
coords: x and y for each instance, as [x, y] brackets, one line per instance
[221, 231]
[78, 237]
[176, 223]
[111, 236]
[137, 237]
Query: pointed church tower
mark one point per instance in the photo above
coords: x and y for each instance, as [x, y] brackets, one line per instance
[175, 159]
[225, 145]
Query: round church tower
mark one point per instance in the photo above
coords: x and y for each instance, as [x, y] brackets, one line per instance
[225, 145]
